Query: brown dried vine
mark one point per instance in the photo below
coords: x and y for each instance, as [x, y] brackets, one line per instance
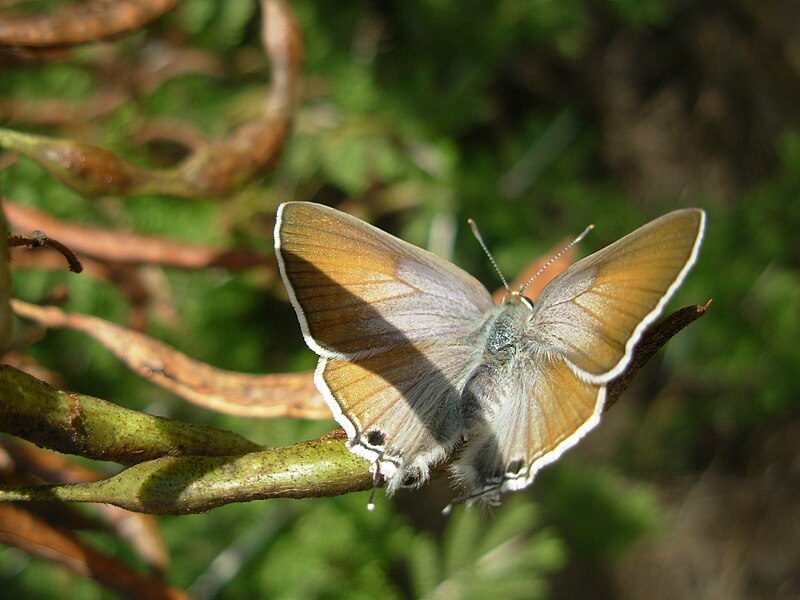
[82, 22]
[214, 170]
[272, 395]
[111, 246]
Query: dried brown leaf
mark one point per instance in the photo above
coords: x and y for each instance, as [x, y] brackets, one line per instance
[274, 395]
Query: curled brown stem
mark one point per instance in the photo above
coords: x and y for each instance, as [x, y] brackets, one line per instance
[216, 169]
[81, 22]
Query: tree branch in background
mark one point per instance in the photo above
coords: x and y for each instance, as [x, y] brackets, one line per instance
[109, 245]
[38, 537]
[24, 463]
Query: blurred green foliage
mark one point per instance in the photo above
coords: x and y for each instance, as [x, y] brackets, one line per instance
[415, 111]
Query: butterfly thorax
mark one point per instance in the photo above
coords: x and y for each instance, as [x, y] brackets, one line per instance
[501, 334]
[506, 325]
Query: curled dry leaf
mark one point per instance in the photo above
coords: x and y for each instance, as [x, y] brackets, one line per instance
[274, 395]
[214, 170]
[37, 537]
[253, 147]
[81, 22]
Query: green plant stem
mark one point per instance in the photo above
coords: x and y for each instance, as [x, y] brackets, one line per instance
[190, 484]
[80, 424]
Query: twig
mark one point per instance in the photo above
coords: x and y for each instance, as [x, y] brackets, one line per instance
[79, 424]
[652, 341]
[38, 239]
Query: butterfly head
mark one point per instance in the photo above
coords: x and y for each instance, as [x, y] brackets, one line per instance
[512, 297]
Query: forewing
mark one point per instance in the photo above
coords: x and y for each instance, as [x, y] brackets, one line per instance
[358, 290]
[544, 408]
[400, 408]
[595, 311]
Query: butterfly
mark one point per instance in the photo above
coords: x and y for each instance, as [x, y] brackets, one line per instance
[417, 362]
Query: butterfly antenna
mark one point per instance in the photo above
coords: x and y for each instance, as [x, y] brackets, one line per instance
[478, 237]
[561, 252]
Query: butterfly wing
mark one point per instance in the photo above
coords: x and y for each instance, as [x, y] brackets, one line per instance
[581, 334]
[400, 408]
[595, 312]
[358, 290]
[544, 408]
[395, 327]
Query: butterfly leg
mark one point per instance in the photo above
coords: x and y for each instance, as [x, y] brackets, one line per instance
[376, 480]
[489, 495]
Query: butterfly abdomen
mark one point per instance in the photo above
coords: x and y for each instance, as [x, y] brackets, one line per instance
[479, 398]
